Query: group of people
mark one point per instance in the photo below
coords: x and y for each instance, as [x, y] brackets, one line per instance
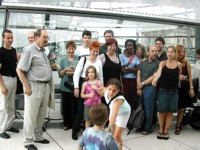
[103, 77]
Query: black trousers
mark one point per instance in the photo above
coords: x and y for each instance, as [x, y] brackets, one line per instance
[69, 107]
[80, 109]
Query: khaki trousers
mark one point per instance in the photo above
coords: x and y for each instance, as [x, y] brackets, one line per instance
[7, 103]
[35, 111]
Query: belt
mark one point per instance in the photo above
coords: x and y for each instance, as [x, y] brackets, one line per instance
[43, 82]
[12, 76]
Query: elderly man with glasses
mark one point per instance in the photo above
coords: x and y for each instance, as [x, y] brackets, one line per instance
[34, 71]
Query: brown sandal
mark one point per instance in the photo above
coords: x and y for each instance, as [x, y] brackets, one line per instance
[177, 130]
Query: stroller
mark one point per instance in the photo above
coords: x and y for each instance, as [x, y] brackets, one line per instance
[192, 115]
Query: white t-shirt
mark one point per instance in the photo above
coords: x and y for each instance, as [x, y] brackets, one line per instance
[82, 51]
[196, 71]
[77, 74]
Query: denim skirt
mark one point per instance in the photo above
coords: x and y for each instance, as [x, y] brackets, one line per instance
[168, 100]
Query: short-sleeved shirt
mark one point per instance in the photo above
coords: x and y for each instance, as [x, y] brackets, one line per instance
[8, 59]
[64, 63]
[124, 61]
[82, 51]
[35, 63]
[104, 49]
[97, 140]
[147, 69]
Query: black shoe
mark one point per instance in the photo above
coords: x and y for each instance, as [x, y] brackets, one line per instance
[4, 135]
[12, 129]
[43, 129]
[74, 136]
[31, 147]
[43, 141]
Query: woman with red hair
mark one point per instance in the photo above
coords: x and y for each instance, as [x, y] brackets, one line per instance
[186, 84]
[79, 78]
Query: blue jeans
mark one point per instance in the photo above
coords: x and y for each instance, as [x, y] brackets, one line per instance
[149, 93]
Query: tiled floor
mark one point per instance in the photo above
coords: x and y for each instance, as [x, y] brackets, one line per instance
[61, 140]
[189, 139]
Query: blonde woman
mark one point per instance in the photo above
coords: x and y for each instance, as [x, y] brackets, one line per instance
[186, 84]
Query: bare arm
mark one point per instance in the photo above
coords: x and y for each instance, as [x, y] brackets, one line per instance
[3, 88]
[83, 95]
[158, 73]
[139, 90]
[69, 71]
[26, 86]
[190, 79]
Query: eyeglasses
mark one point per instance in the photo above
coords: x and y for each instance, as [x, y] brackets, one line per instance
[46, 37]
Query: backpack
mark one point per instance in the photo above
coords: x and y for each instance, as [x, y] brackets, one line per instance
[136, 119]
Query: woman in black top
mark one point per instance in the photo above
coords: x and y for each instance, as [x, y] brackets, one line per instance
[168, 72]
[111, 61]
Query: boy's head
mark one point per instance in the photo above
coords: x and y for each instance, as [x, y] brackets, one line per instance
[98, 114]
[86, 37]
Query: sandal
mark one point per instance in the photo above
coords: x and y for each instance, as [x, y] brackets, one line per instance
[160, 135]
[165, 136]
[177, 130]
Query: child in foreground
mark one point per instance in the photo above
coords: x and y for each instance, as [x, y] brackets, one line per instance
[90, 92]
[96, 138]
[119, 109]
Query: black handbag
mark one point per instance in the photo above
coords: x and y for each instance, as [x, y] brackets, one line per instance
[69, 84]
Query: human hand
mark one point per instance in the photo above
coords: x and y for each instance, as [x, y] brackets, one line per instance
[54, 66]
[154, 82]
[76, 92]
[4, 90]
[192, 93]
[139, 92]
[27, 90]
[140, 85]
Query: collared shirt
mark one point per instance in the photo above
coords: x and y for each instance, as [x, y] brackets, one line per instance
[147, 69]
[35, 63]
[104, 49]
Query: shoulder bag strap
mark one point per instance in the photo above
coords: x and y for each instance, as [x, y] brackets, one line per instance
[118, 94]
[130, 60]
[83, 64]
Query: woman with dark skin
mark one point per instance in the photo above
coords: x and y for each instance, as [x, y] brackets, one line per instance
[129, 69]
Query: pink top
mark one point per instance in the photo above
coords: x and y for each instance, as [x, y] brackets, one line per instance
[96, 99]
